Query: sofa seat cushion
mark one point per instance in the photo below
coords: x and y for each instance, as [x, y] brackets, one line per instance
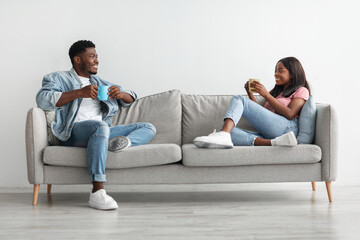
[139, 156]
[244, 155]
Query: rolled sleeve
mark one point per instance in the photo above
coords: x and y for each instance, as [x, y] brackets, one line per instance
[131, 93]
[301, 93]
[55, 98]
[49, 94]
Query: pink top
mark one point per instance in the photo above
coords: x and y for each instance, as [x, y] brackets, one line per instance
[302, 92]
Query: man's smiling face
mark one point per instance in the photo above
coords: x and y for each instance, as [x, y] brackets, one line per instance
[89, 61]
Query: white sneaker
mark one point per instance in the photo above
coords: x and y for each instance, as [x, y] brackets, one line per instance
[214, 140]
[286, 140]
[100, 200]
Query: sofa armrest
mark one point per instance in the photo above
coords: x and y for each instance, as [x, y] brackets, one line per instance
[36, 140]
[326, 137]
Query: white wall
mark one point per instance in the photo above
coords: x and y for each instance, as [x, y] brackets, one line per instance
[202, 47]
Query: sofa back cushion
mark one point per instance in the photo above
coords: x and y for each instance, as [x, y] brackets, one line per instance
[201, 114]
[163, 110]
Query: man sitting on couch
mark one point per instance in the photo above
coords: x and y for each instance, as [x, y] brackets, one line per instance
[84, 121]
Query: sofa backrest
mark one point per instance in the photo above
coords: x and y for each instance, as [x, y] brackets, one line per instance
[201, 114]
[163, 110]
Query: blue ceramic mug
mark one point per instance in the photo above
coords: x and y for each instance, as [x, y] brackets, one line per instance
[103, 93]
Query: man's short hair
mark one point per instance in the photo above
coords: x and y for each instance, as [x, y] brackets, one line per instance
[78, 47]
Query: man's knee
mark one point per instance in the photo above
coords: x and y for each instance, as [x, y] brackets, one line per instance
[149, 126]
[102, 129]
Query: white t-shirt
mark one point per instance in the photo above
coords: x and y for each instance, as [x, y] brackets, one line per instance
[89, 108]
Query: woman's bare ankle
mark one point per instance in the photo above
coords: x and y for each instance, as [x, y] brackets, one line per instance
[262, 142]
[228, 125]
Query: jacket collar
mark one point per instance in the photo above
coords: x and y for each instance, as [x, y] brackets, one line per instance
[76, 77]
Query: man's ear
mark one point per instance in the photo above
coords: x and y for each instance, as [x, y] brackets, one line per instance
[77, 60]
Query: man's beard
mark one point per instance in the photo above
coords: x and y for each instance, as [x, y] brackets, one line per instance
[88, 70]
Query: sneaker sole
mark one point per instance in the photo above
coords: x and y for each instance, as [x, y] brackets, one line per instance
[115, 140]
[212, 145]
[100, 208]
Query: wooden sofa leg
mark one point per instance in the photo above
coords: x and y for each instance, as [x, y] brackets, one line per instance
[313, 184]
[49, 188]
[329, 192]
[36, 193]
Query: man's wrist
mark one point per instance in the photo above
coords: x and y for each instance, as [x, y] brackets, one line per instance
[121, 96]
[79, 93]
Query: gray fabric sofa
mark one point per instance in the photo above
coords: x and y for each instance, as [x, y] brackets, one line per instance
[171, 158]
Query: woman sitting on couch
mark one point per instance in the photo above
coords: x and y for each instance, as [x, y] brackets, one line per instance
[276, 121]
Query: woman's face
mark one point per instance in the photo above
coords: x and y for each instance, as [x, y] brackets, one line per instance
[282, 75]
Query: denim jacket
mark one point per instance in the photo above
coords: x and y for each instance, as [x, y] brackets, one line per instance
[64, 81]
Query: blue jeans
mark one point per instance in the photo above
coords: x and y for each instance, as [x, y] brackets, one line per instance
[269, 125]
[95, 135]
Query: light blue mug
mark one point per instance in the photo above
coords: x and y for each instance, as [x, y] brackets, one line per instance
[103, 93]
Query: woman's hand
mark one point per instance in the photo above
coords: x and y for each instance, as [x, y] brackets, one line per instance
[250, 94]
[247, 88]
[260, 89]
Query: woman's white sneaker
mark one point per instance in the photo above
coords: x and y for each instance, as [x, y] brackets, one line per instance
[286, 140]
[214, 140]
[100, 200]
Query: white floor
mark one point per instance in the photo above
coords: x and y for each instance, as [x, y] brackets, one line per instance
[226, 211]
